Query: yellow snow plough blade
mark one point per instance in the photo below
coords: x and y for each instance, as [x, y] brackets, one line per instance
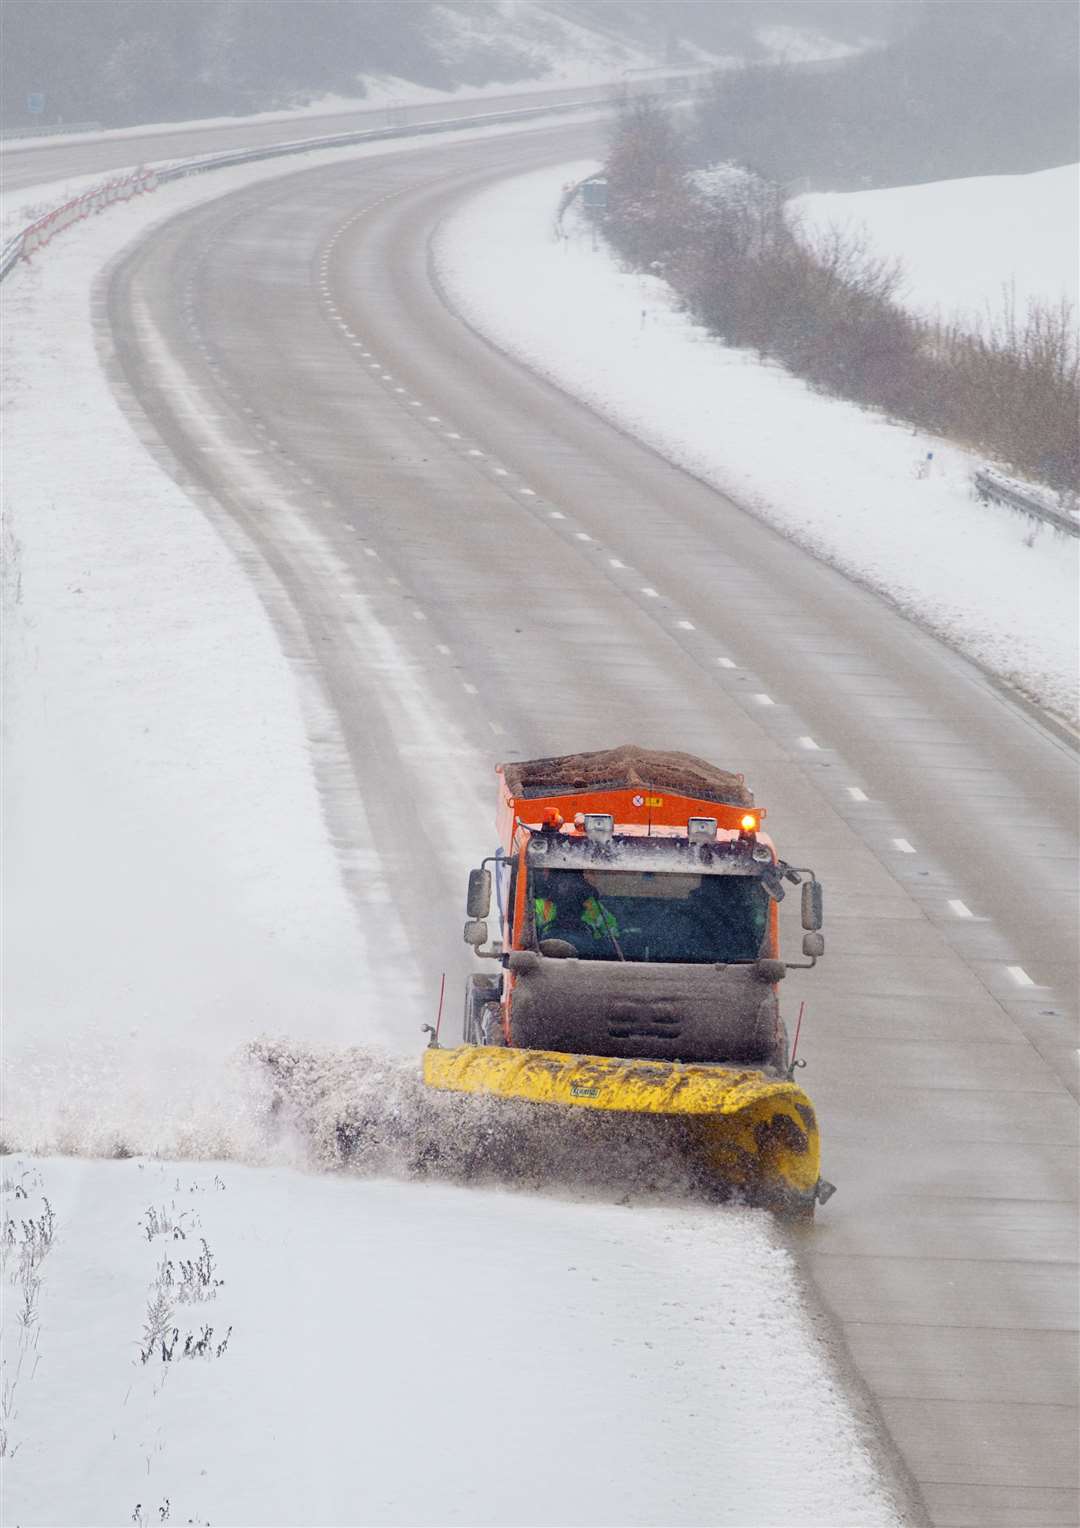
[756, 1134]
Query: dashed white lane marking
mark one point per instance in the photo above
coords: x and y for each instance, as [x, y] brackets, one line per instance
[433, 419]
[613, 562]
[1020, 976]
[961, 909]
[762, 699]
[556, 514]
[727, 663]
[418, 615]
[903, 845]
[399, 389]
[649, 592]
[441, 647]
[501, 471]
[528, 492]
[497, 729]
[855, 793]
[470, 689]
[582, 536]
[808, 742]
[472, 451]
[686, 625]
[369, 551]
[452, 435]
[414, 403]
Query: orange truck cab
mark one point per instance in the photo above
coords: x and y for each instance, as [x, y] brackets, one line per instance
[636, 895]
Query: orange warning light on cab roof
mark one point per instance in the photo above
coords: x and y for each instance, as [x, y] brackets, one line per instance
[749, 823]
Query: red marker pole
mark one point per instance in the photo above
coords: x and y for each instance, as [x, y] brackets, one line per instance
[798, 1027]
[442, 994]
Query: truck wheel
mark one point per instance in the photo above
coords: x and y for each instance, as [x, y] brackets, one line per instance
[480, 991]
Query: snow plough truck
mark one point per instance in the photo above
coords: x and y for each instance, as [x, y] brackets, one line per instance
[637, 963]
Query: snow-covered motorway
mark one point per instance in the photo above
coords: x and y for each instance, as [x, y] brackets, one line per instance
[470, 566]
[43, 160]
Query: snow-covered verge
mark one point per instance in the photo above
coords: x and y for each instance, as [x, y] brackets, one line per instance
[855, 489]
[965, 244]
[224, 1345]
[247, 1345]
[802, 45]
[170, 887]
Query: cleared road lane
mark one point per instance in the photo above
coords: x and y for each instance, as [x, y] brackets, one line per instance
[554, 585]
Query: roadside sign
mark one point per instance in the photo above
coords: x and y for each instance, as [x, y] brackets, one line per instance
[594, 195]
[35, 103]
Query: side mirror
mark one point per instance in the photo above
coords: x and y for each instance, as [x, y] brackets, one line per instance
[812, 905]
[478, 904]
[813, 945]
[476, 932]
[772, 885]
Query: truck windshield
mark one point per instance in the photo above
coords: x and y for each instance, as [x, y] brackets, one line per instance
[651, 916]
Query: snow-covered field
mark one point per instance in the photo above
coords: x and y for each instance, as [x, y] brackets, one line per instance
[409, 1355]
[853, 488]
[964, 244]
[383, 1350]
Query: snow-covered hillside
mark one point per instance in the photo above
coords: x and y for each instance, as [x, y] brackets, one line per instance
[964, 244]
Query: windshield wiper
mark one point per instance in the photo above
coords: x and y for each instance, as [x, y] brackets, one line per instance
[604, 916]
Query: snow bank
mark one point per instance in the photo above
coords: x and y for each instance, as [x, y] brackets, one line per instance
[845, 483]
[802, 45]
[964, 243]
[427, 1356]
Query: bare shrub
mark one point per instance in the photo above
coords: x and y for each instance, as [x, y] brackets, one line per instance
[24, 1245]
[1014, 387]
[826, 304]
[164, 1220]
[192, 1283]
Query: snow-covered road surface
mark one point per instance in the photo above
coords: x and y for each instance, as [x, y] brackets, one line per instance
[400, 492]
[397, 1351]
[885, 503]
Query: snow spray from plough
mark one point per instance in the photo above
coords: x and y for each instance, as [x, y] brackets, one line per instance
[638, 962]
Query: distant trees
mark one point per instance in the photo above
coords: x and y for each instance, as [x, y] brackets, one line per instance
[129, 61]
